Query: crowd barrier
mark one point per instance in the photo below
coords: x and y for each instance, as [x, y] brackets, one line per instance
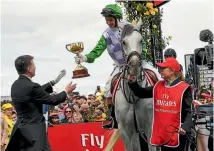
[81, 137]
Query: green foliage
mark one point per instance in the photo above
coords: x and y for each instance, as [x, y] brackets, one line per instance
[151, 28]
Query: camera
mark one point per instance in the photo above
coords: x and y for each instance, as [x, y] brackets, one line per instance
[203, 115]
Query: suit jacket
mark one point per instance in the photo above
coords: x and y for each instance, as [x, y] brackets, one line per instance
[28, 97]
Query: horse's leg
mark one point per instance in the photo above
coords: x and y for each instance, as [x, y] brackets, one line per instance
[127, 129]
[126, 138]
[136, 142]
[144, 118]
[124, 117]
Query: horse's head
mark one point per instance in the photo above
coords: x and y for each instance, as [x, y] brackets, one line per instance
[132, 47]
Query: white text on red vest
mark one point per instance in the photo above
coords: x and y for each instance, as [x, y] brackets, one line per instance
[165, 103]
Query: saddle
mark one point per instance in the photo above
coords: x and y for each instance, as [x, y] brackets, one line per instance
[114, 82]
[150, 75]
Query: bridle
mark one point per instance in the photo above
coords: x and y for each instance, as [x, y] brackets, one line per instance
[127, 65]
[128, 57]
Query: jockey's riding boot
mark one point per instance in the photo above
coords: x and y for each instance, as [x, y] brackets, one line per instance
[112, 120]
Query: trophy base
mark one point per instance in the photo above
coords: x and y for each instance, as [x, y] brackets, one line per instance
[80, 73]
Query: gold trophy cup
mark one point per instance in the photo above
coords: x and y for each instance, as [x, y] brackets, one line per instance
[80, 71]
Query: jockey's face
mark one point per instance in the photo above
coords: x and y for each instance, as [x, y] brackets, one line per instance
[110, 21]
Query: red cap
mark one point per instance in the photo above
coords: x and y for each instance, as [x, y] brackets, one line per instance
[206, 95]
[171, 63]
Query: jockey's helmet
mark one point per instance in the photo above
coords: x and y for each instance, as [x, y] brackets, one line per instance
[112, 10]
[170, 53]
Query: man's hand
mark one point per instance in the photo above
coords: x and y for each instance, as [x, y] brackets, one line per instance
[132, 78]
[70, 87]
[181, 131]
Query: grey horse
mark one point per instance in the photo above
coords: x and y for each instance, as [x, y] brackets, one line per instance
[134, 116]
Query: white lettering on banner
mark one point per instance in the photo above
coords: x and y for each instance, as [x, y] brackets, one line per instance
[99, 141]
[165, 103]
[83, 139]
[92, 139]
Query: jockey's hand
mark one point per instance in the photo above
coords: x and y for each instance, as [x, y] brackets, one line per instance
[80, 58]
[181, 131]
[132, 78]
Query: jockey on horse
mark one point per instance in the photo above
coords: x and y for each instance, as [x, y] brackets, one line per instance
[110, 40]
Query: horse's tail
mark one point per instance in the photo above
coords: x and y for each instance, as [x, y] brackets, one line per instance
[112, 141]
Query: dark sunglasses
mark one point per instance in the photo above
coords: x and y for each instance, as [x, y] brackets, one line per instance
[68, 111]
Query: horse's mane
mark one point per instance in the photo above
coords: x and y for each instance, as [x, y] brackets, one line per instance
[127, 30]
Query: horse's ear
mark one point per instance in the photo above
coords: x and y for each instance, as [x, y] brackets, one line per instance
[139, 24]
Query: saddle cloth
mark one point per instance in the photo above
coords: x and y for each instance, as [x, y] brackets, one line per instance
[150, 76]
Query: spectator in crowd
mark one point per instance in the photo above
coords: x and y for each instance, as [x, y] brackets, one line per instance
[68, 115]
[99, 115]
[84, 110]
[8, 109]
[75, 99]
[54, 119]
[91, 98]
[14, 117]
[77, 118]
[4, 132]
[61, 114]
[82, 107]
[82, 100]
[198, 92]
[201, 99]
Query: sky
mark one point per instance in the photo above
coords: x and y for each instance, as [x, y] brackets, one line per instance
[42, 28]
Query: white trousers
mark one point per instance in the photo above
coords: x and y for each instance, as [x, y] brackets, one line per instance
[117, 69]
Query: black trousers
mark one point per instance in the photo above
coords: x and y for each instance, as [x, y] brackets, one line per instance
[210, 143]
[181, 147]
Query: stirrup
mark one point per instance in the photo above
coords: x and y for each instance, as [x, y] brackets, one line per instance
[112, 121]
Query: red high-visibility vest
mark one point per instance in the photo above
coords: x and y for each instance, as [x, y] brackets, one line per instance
[167, 111]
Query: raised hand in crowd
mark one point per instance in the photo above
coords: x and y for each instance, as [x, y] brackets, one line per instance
[76, 108]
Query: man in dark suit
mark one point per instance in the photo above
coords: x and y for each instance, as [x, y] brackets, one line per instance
[29, 132]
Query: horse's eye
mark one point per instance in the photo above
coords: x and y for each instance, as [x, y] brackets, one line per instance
[124, 43]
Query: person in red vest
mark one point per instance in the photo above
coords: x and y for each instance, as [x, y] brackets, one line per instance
[172, 107]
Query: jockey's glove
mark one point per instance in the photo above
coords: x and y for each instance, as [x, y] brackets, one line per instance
[59, 77]
[80, 58]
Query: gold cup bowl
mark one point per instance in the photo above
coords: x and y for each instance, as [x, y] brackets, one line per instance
[80, 71]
